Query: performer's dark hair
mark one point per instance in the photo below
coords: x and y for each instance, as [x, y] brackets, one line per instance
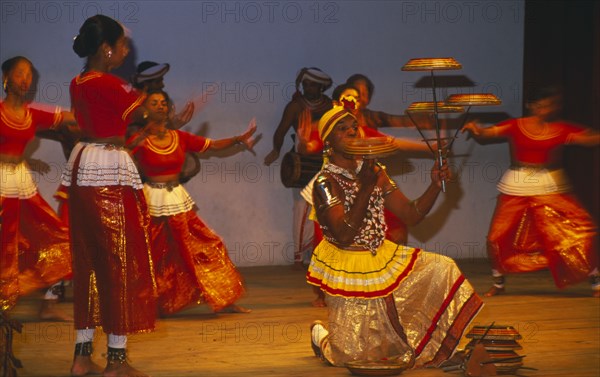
[337, 92]
[165, 94]
[9, 64]
[542, 92]
[95, 31]
[360, 77]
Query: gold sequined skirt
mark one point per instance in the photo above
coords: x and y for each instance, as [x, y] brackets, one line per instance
[191, 264]
[113, 276]
[35, 249]
[530, 233]
[423, 319]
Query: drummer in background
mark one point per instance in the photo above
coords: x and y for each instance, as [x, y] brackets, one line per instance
[303, 113]
[150, 76]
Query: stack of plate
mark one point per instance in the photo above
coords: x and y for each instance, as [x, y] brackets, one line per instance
[371, 147]
[500, 343]
[495, 345]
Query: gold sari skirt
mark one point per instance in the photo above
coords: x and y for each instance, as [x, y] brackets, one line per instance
[422, 318]
[530, 233]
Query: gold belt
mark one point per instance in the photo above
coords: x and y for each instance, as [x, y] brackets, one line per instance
[163, 185]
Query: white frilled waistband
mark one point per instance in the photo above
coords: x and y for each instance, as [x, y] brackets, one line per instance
[16, 181]
[532, 180]
[102, 165]
[168, 200]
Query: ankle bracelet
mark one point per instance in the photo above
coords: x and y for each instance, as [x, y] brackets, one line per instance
[59, 291]
[116, 355]
[83, 349]
[498, 281]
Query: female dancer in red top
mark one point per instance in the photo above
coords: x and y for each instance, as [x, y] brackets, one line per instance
[35, 242]
[113, 278]
[538, 223]
[190, 260]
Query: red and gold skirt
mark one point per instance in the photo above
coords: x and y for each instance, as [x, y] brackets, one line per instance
[191, 262]
[35, 249]
[530, 233]
[113, 276]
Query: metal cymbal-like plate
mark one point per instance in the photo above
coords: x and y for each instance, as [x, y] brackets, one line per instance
[376, 368]
[431, 64]
[495, 345]
[428, 107]
[494, 333]
[473, 99]
[371, 147]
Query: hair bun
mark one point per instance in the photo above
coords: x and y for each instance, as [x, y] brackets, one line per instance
[79, 47]
[88, 40]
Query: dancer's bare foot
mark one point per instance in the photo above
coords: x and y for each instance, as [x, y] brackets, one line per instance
[122, 369]
[50, 312]
[234, 309]
[494, 291]
[595, 282]
[84, 366]
[319, 302]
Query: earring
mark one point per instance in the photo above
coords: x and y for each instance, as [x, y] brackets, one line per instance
[109, 54]
[327, 151]
[4, 84]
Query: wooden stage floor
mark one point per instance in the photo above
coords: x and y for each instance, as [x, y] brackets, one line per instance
[560, 329]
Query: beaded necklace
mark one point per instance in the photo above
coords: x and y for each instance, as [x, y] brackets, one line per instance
[373, 228]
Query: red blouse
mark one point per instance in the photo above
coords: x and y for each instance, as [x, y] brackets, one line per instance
[537, 148]
[103, 104]
[16, 133]
[153, 160]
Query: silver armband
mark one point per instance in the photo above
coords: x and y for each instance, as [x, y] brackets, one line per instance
[322, 190]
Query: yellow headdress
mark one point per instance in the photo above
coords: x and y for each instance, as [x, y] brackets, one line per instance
[330, 119]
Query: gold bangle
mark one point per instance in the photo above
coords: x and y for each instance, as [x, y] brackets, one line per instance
[350, 225]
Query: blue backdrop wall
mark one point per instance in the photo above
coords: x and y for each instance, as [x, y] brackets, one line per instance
[244, 55]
